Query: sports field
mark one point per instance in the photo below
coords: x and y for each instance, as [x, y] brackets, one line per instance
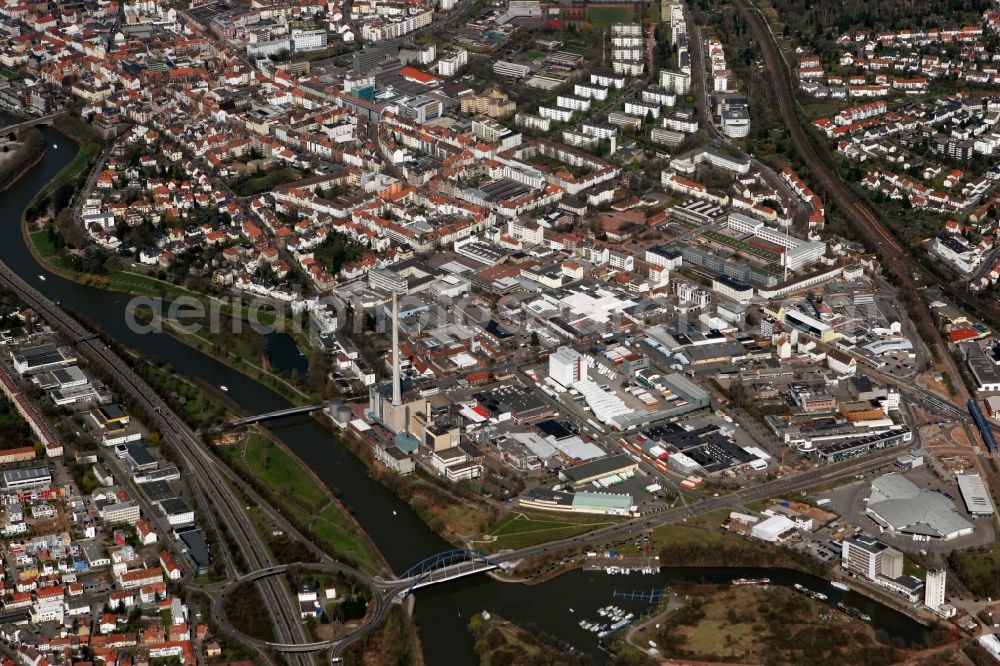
[603, 17]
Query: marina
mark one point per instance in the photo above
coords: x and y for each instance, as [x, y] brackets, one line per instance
[612, 619]
[819, 596]
[611, 564]
[652, 596]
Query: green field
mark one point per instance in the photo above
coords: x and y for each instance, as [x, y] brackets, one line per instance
[703, 530]
[293, 489]
[603, 17]
[276, 469]
[533, 55]
[237, 353]
[145, 285]
[336, 532]
[43, 243]
[520, 529]
[265, 182]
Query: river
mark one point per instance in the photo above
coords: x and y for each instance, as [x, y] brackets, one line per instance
[442, 612]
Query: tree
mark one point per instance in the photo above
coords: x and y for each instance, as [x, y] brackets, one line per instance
[319, 370]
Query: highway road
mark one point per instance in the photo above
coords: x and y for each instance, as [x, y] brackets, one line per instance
[209, 483]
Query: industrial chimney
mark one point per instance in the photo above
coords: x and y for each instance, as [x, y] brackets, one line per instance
[396, 398]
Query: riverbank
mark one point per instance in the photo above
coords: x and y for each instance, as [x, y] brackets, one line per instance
[500, 641]
[28, 152]
[240, 360]
[754, 625]
[455, 517]
[136, 284]
[28, 166]
[271, 468]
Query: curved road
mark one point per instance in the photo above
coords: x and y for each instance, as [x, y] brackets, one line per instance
[862, 215]
[209, 483]
[866, 219]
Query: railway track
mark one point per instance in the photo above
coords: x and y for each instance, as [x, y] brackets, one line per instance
[209, 483]
[866, 220]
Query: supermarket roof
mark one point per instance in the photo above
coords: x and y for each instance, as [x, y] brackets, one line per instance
[610, 500]
[902, 505]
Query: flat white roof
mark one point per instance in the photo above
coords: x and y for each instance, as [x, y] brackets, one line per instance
[977, 498]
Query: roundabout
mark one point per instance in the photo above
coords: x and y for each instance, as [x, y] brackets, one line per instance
[383, 593]
[377, 589]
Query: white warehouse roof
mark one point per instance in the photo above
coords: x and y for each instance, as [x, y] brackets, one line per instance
[977, 498]
[772, 528]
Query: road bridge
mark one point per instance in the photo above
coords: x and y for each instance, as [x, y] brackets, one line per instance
[33, 122]
[435, 569]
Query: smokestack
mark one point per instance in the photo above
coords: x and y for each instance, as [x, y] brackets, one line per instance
[396, 398]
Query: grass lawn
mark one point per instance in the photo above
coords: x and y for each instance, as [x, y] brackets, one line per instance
[145, 285]
[72, 170]
[286, 476]
[533, 55]
[579, 50]
[266, 181]
[603, 17]
[43, 244]
[337, 534]
[300, 494]
[260, 522]
[819, 108]
[202, 411]
[703, 638]
[976, 569]
[520, 529]
[238, 354]
[700, 530]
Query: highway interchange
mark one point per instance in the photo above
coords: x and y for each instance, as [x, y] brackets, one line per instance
[216, 485]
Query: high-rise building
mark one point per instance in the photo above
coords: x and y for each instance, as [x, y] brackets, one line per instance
[892, 563]
[934, 589]
[863, 556]
[567, 366]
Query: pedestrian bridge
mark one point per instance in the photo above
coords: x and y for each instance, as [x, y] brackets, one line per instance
[291, 411]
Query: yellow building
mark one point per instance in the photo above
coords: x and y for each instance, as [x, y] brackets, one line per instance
[493, 103]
